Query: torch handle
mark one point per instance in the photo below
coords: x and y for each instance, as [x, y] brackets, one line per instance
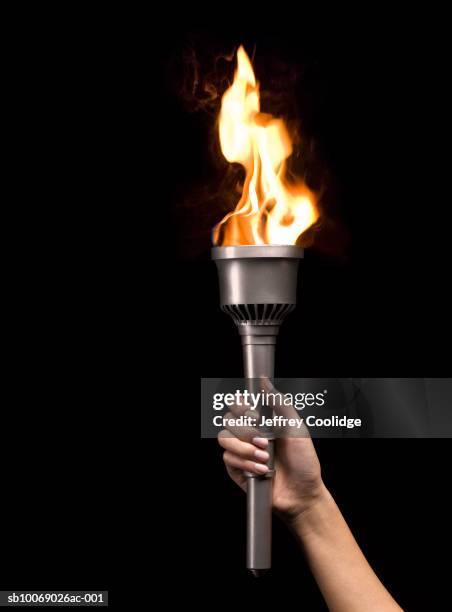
[259, 358]
[259, 521]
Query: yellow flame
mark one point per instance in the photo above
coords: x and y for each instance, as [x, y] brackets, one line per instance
[270, 211]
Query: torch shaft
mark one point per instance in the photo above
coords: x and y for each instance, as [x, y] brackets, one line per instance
[259, 360]
[259, 524]
[258, 288]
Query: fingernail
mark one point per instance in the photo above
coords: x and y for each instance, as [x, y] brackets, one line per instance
[260, 442]
[261, 455]
[261, 468]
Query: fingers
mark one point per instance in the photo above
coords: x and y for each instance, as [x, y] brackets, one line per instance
[234, 461]
[241, 409]
[244, 450]
[244, 456]
[243, 432]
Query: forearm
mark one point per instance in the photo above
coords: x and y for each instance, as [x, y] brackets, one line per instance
[342, 573]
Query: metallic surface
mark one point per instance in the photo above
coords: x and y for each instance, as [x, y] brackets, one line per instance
[257, 274]
[258, 289]
[254, 251]
[259, 361]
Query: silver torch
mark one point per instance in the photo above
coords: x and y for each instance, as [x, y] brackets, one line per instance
[258, 287]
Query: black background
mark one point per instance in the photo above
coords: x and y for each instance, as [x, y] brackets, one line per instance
[373, 304]
[114, 298]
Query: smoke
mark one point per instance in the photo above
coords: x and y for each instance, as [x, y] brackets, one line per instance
[203, 77]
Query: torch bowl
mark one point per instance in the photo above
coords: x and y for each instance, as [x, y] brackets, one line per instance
[257, 276]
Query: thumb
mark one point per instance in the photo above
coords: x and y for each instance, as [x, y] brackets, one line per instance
[282, 406]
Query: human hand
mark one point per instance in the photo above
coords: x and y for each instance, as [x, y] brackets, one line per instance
[297, 482]
[343, 574]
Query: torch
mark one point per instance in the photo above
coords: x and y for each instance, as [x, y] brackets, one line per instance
[257, 259]
[258, 290]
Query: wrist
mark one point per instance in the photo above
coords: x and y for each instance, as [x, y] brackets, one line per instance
[314, 514]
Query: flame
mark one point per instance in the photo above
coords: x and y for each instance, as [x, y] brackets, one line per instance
[270, 210]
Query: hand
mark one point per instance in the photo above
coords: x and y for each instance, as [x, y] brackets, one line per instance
[297, 483]
[343, 574]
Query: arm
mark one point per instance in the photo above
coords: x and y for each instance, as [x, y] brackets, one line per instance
[343, 575]
[340, 569]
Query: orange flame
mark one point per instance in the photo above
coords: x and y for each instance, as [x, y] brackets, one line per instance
[270, 211]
